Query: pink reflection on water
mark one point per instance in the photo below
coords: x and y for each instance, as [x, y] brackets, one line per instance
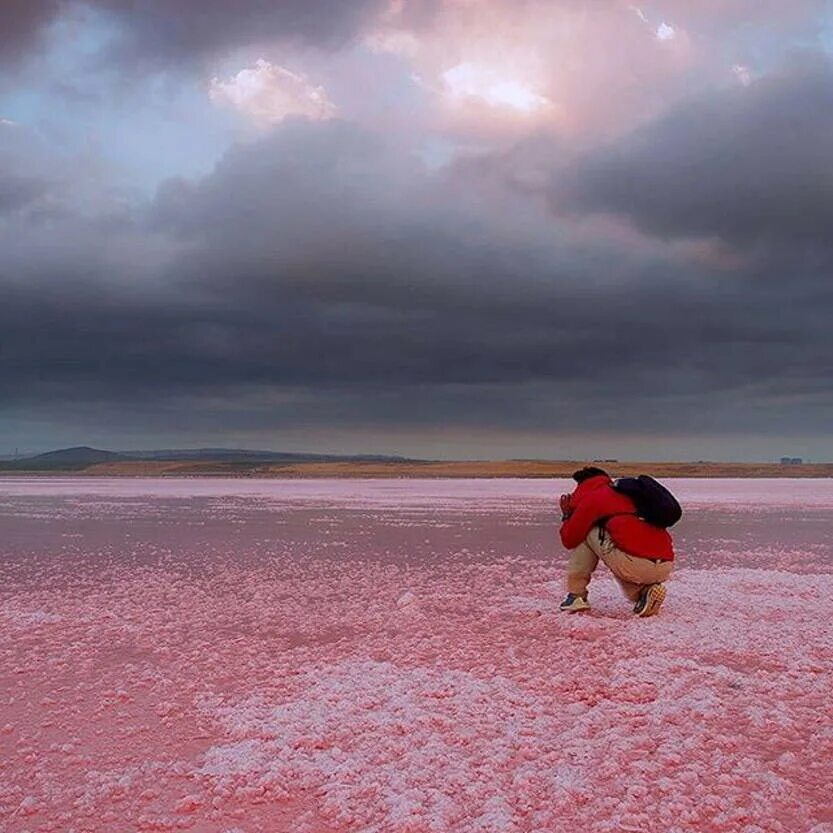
[401, 493]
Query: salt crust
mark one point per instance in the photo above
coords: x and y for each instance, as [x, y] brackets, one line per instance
[347, 693]
[474, 707]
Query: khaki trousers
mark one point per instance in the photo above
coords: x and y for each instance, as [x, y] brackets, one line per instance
[631, 572]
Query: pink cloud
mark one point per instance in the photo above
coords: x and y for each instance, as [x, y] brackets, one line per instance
[267, 93]
[498, 68]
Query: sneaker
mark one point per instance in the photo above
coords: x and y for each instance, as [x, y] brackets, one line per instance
[650, 600]
[573, 603]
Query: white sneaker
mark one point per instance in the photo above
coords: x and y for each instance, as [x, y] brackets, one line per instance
[574, 603]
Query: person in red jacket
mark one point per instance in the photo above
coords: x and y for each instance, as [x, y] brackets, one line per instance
[600, 523]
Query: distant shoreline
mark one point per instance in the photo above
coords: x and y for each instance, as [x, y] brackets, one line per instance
[428, 469]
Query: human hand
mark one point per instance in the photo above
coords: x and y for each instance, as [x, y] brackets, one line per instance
[565, 504]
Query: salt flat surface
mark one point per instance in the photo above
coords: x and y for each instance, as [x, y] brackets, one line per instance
[435, 492]
[330, 656]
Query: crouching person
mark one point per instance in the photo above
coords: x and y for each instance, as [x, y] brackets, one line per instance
[599, 522]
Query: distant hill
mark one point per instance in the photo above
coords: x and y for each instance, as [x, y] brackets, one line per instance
[64, 459]
[240, 462]
[82, 457]
[247, 455]
[78, 454]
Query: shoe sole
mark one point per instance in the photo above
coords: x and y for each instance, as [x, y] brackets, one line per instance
[656, 596]
[574, 609]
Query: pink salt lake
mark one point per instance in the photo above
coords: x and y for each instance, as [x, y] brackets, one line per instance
[242, 656]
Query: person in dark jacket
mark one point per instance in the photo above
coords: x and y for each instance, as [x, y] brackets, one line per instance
[599, 523]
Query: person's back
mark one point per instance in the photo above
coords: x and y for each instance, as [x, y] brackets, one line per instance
[595, 501]
[598, 522]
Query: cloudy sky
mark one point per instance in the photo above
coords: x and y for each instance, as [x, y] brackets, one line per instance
[446, 228]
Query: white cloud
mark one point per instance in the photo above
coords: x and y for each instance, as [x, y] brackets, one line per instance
[665, 31]
[495, 88]
[743, 74]
[267, 93]
[395, 42]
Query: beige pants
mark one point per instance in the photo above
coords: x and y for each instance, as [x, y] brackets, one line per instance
[631, 572]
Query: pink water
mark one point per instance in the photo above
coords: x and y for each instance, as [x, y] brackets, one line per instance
[323, 657]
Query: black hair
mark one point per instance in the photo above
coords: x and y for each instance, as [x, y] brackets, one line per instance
[587, 472]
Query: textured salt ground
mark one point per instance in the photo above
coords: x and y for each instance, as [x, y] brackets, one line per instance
[208, 665]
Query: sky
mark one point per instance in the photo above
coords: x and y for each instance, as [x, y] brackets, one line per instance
[565, 229]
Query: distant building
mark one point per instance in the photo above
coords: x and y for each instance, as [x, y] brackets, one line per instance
[791, 461]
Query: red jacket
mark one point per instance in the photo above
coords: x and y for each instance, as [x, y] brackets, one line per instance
[595, 499]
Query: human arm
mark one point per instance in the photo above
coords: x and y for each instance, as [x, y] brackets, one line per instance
[576, 526]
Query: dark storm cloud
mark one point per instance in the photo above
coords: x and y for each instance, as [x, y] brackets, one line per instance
[322, 264]
[21, 24]
[748, 164]
[18, 191]
[174, 30]
[161, 32]
[318, 256]
[716, 16]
